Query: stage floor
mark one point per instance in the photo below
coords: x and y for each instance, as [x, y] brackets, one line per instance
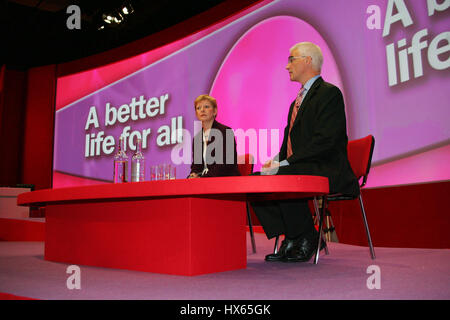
[343, 274]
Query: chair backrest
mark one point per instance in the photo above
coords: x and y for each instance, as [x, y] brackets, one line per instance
[245, 164]
[360, 156]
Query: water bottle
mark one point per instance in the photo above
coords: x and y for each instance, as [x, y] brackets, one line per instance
[138, 164]
[121, 163]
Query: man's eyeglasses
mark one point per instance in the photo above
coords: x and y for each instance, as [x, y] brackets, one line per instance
[292, 58]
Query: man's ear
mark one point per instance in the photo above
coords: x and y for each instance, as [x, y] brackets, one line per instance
[309, 58]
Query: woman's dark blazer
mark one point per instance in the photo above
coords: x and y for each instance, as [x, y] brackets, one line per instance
[220, 153]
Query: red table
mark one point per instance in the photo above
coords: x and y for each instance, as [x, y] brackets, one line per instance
[183, 227]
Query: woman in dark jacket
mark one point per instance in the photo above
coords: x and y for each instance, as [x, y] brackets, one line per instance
[214, 147]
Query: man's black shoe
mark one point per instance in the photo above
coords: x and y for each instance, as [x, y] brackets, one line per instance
[285, 245]
[303, 248]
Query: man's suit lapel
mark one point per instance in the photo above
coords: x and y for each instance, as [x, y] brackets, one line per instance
[311, 92]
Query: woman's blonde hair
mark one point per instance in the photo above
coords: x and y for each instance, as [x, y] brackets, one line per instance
[205, 97]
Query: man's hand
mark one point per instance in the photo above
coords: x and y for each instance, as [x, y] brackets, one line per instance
[270, 167]
[267, 164]
[271, 164]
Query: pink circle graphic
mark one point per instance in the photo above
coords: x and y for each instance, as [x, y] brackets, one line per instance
[252, 86]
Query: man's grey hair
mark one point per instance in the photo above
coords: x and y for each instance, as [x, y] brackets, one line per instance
[312, 50]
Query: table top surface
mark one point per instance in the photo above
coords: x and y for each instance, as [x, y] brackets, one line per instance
[243, 187]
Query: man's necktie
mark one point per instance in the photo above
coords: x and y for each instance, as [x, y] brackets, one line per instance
[298, 102]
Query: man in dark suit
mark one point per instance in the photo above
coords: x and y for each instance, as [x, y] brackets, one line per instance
[315, 143]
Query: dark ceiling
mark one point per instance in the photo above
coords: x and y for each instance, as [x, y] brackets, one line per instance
[34, 32]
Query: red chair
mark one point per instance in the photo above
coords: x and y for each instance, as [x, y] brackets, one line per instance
[359, 154]
[245, 166]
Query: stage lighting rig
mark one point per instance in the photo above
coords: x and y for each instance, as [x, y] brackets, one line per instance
[117, 15]
[127, 8]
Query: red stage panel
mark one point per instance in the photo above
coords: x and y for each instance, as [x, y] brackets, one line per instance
[407, 216]
[21, 230]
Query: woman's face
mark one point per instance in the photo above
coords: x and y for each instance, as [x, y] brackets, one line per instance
[205, 111]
